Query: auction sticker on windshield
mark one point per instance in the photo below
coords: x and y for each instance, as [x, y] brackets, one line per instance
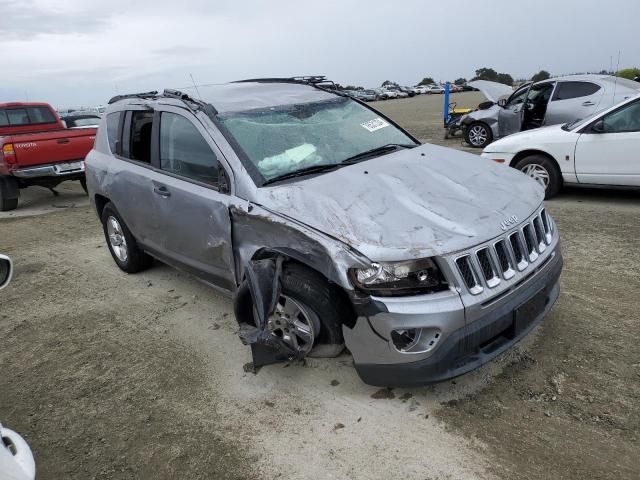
[375, 124]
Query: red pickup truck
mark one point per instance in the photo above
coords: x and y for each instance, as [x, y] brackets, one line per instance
[37, 149]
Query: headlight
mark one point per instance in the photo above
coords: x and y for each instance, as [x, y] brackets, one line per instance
[399, 278]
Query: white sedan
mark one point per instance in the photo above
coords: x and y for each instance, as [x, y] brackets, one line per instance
[601, 150]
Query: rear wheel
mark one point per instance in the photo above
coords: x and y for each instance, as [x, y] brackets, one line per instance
[478, 135]
[8, 189]
[544, 171]
[122, 245]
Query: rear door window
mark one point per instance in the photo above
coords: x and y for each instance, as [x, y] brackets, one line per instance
[569, 90]
[139, 136]
[185, 152]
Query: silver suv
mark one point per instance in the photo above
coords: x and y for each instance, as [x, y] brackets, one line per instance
[426, 262]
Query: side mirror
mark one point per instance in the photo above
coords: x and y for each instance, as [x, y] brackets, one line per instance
[6, 270]
[598, 127]
[502, 102]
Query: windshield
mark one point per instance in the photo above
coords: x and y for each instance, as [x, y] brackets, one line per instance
[284, 139]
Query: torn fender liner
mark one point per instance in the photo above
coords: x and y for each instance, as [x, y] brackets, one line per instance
[263, 280]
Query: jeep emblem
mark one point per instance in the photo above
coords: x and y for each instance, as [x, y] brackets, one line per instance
[505, 224]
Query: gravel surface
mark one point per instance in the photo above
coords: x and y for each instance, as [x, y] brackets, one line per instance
[116, 376]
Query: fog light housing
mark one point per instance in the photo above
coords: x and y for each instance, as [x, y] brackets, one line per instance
[404, 340]
[415, 340]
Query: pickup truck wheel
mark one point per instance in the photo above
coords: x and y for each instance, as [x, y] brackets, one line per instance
[478, 135]
[544, 171]
[8, 187]
[122, 245]
[309, 309]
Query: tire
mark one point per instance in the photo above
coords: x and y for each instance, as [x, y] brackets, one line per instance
[313, 293]
[83, 182]
[544, 170]
[134, 259]
[8, 187]
[478, 135]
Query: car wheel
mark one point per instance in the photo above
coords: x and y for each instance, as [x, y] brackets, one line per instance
[122, 245]
[478, 135]
[7, 184]
[544, 171]
[83, 182]
[309, 313]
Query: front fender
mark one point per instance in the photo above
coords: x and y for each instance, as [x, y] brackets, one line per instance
[257, 232]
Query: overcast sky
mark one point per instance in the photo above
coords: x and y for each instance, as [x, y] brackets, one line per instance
[82, 52]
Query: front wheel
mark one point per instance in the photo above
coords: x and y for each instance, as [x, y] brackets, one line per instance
[544, 171]
[309, 313]
[478, 135]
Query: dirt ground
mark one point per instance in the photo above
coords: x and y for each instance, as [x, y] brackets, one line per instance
[115, 376]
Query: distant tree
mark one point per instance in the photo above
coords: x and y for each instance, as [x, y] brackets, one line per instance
[630, 73]
[486, 74]
[460, 81]
[505, 78]
[427, 81]
[493, 76]
[541, 75]
[389, 83]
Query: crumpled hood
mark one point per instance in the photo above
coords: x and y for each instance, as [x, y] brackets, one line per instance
[414, 203]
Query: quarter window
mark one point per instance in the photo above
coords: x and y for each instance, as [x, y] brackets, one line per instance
[184, 151]
[113, 126]
[569, 90]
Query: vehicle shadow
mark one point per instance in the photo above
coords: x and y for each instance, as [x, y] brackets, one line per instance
[38, 201]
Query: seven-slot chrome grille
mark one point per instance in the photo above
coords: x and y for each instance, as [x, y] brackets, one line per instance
[500, 260]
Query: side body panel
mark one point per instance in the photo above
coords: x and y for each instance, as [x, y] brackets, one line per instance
[608, 158]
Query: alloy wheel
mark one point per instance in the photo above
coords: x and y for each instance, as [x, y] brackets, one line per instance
[478, 135]
[116, 239]
[538, 173]
[294, 324]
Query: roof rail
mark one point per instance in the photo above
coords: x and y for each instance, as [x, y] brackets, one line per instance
[315, 80]
[152, 94]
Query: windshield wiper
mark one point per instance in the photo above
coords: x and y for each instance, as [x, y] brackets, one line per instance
[389, 147]
[303, 171]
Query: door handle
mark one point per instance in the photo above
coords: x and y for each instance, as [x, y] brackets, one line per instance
[588, 104]
[162, 191]
[63, 140]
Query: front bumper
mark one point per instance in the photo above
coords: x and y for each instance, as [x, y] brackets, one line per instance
[470, 345]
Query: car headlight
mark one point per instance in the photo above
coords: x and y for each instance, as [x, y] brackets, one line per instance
[399, 278]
